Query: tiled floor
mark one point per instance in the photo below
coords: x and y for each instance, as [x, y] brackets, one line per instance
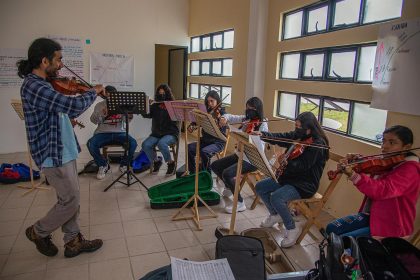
[137, 239]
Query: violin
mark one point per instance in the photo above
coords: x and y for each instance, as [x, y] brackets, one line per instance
[294, 151]
[374, 165]
[252, 125]
[68, 86]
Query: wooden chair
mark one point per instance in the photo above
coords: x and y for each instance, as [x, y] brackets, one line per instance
[317, 202]
[105, 148]
[247, 178]
[415, 240]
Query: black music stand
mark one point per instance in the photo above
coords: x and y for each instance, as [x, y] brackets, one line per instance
[127, 103]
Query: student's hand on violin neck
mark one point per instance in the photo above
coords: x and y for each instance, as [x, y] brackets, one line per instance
[222, 121]
[100, 90]
[352, 156]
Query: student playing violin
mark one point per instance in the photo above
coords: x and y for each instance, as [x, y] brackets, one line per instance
[225, 168]
[299, 177]
[389, 206]
[209, 145]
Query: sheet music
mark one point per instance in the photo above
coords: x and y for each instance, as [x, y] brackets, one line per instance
[210, 270]
[176, 109]
[208, 124]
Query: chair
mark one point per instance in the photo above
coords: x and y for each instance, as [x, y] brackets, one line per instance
[257, 175]
[105, 148]
[317, 202]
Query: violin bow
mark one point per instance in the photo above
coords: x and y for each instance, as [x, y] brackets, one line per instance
[388, 154]
[218, 104]
[285, 140]
[80, 78]
[247, 122]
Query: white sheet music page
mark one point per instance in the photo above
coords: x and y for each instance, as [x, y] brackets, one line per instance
[210, 270]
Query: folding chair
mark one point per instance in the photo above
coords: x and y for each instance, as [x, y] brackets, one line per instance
[318, 201]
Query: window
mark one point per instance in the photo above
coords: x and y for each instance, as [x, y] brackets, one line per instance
[346, 13]
[204, 89]
[317, 20]
[331, 15]
[227, 67]
[352, 118]
[227, 95]
[195, 68]
[205, 68]
[213, 41]
[199, 91]
[293, 25]
[216, 68]
[290, 66]
[342, 65]
[366, 64]
[194, 92]
[314, 65]
[211, 67]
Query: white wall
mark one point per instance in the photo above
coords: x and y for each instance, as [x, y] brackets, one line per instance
[124, 26]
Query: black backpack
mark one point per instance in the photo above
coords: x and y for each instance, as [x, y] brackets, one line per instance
[245, 256]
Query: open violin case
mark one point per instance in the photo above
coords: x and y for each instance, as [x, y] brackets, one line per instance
[175, 193]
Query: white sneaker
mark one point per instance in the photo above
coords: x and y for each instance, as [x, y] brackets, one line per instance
[271, 220]
[239, 208]
[290, 237]
[102, 172]
[123, 168]
[227, 192]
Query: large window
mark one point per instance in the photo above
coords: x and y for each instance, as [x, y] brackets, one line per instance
[213, 41]
[211, 67]
[337, 14]
[348, 117]
[199, 91]
[338, 64]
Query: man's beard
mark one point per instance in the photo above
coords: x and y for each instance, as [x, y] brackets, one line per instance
[51, 72]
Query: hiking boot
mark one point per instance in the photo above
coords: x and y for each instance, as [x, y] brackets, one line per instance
[44, 245]
[102, 172]
[171, 168]
[156, 165]
[79, 245]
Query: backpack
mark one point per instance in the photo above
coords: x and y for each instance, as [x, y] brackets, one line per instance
[141, 162]
[245, 256]
[162, 273]
[90, 167]
[13, 173]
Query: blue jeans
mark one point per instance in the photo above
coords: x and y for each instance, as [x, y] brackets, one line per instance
[163, 143]
[225, 169]
[102, 139]
[207, 151]
[276, 197]
[354, 225]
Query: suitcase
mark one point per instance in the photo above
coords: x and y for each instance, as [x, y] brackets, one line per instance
[175, 193]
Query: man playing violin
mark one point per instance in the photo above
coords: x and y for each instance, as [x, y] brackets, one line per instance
[53, 145]
[389, 206]
[299, 176]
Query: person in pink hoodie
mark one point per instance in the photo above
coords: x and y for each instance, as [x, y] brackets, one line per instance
[389, 206]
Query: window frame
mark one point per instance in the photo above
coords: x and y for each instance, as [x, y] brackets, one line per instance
[210, 61]
[306, 18]
[201, 97]
[211, 35]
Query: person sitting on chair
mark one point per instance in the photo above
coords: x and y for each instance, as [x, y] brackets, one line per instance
[110, 130]
[164, 131]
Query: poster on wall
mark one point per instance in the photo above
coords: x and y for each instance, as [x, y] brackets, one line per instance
[8, 68]
[72, 50]
[112, 69]
[396, 80]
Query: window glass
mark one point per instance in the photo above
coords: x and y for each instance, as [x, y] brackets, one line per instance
[217, 67]
[228, 39]
[287, 105]
[195, 44]
[314, 64]
[346, 12]
[377, 10]
[342, 64]
[309, 104]
[336, 114]
[227, 67]
[204, 89]
[216, 88]
[205, 68]
[217, 41]
[368, 122]
[194, 90]
[195, 67]
[205, 43]
[290, 66]
[227, 91]
[293, 25]
[366, 64]
[317, 19]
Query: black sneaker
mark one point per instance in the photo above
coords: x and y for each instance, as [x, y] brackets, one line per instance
[156, 165]
[44, 245]
[80, 244]
[171, 168]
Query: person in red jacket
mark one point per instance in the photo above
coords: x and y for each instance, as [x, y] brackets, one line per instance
[389, 206]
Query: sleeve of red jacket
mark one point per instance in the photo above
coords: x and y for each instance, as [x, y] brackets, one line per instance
[394, 184]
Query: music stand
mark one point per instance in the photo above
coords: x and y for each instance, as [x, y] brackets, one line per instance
[206, 122]
[180, 110]
[17, 106]
[127, 103]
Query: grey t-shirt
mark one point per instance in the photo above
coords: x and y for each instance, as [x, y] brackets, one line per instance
[114, 124]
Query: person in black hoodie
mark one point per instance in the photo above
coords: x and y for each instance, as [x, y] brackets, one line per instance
[209, 145]
[164, 131]
[300, 177]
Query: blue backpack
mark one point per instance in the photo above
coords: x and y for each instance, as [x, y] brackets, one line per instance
[13, 173]
[141, 163]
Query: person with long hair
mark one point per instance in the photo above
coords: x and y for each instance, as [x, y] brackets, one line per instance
[225, 168]
[209, 145]
[300, 177]
[165, 132]
[53, 145]
[389, 205]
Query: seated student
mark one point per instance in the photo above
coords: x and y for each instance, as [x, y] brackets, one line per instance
[300, 177]
[389, 206]
[164, 131]
[225, 168]
[209, 145]
[110, 130]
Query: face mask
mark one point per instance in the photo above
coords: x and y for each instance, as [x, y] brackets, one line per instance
[160, 97]
[301, 133]
[250, 114]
